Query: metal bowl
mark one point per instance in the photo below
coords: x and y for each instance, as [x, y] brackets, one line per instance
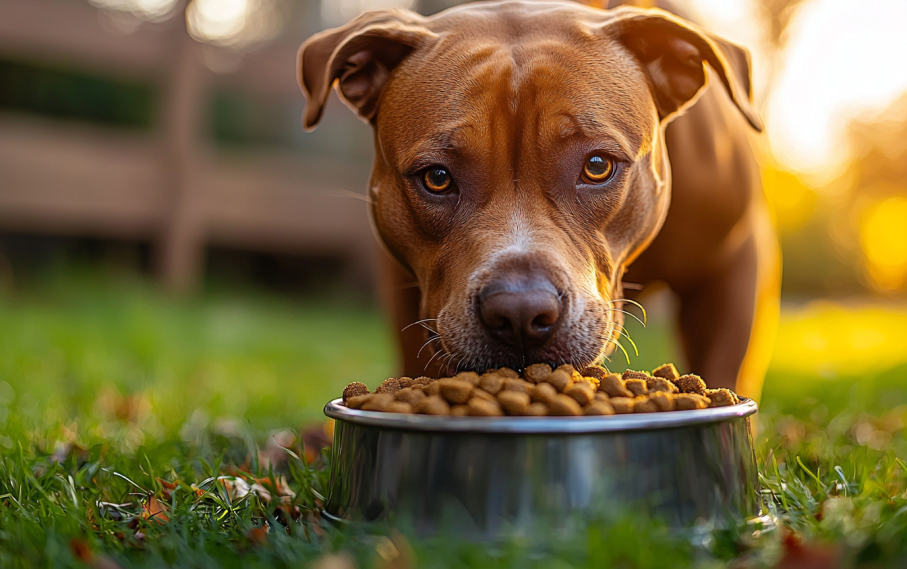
[526, 475]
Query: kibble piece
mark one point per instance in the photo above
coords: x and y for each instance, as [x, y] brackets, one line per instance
[511, 384]
[459, 410]
[433, 388]
[543, 393]
[405, 382]
[484, 408]
[622, 405]
[491, 382]
[666, 371]
[721, 397]
[399, 407]
[506, 372]
[378, 402]
[455, 390]
[560, 379]
[357, 401]
[582, 392]
[354, 389]
[390, 385]
[601, 396]
[690, 384]
[637, 386]
[689, 402]
[564, 406]
[632, 374]
[469, 377]
[537, 373]
[568, 369]
[410, 395]
[434, 405]
[656, 384]
[482, 394]
[422, 380]
[598, 407]
[643, 404]
[597, 372]
[537, 409]
[664, 401]
[614, 386]
[514, 402]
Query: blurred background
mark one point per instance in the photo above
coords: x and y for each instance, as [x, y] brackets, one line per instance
[175, 252]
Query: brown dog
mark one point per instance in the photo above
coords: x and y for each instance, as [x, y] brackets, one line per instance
[521, 166]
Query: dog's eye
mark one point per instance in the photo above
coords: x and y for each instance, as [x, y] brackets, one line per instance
[437, 179]
[598, 170]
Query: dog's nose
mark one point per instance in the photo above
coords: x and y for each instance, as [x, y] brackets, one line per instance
[521, 316]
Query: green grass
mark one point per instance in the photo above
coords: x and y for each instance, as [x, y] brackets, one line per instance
[126, 419]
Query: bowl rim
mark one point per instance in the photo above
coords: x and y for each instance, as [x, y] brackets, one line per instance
[542, 425]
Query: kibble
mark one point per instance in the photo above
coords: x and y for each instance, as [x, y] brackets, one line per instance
[721, 397]
[410, 395]
[656, 384]
[622, 405]
[377, 402]
[390, 385]
[455, 390]
[565, 406]
[514, 402]
[582, 392]
[491, 382]
[666, 371]
[537, 373]
[613, 385]
[432, 405]
[637, 386]
[598, 407]
[689, 402]
[484, 408]
[690, 384]
[354, 389]
[541, 391]
[560, 379]
[594, 371]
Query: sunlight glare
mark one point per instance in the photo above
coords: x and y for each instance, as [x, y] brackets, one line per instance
[883, 239]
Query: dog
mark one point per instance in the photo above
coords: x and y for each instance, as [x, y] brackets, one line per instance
[522, 175]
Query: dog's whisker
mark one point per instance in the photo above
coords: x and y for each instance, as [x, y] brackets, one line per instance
[627, 313]
[418, 322]
[429, 341]
[619, 345]
[634, 303]
[436, 354]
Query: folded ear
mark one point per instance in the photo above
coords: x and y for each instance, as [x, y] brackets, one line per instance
[359, 57]
[673, 52]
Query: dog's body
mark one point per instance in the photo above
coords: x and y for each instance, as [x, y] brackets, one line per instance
[521, 167]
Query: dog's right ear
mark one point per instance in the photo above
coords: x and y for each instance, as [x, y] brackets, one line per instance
[359, 57]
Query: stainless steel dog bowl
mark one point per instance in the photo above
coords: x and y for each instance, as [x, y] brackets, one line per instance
[493, 476]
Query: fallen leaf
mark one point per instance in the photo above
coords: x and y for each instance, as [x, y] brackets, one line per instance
[258, 535]
[801, 555]
[154, 509]
[81, 550]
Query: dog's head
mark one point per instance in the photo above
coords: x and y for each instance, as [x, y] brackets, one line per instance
[520, 163]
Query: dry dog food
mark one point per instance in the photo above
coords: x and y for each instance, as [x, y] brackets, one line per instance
[541, 391]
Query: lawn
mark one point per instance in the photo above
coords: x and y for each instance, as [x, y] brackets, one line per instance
[133, 426]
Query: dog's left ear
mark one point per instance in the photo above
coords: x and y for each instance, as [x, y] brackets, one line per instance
[673, 52]
[359, 57]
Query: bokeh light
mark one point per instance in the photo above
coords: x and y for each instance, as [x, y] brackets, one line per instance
[338, 12]
[234, 23]
[145, 9]
[883, 239]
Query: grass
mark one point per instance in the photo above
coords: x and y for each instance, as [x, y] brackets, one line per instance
[142, 431]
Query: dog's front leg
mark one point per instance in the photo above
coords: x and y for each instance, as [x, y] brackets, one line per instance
[401, 296]
[729, 317]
